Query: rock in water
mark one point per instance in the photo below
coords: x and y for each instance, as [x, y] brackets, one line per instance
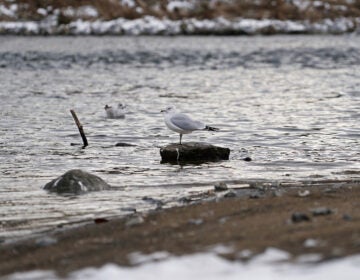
[76, 181]
[193, 152]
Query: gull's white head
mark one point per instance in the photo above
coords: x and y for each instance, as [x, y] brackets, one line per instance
[169, 109]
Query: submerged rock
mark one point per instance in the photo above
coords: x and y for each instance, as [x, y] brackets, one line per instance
[120, 144]
[193, 152]
[45, 241]
[220, 187]
[76, 181]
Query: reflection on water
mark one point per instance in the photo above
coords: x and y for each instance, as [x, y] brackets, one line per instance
[289, 103]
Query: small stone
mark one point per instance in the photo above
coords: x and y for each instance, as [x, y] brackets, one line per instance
[229, 194]
[75, 144]
[321, 211]
[311, 243]
[223, 220]
[184, 200]
[134, 221]
[128, 209]
[220, 187]
[256, 195]
[124, 145]
[298, 217]
[245, 254]
[277, 193]
[247, 159]
[45, 241]
[337, 252]
[196, 221]
[330, 190]
[151, 200]
[303, 193]
[347, 217]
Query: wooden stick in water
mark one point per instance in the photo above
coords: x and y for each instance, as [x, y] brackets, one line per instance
[80, 127]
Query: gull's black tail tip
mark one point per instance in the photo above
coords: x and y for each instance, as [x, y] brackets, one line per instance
[209, 128]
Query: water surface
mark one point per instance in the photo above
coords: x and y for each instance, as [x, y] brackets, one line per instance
[290, 103]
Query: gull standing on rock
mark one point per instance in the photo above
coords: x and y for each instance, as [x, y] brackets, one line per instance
[182, 123]
[115, 113]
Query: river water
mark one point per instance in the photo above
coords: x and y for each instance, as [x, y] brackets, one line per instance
[291, 103]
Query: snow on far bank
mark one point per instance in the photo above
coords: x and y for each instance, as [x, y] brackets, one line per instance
[269, 265]
[9, 11]
[149, 25]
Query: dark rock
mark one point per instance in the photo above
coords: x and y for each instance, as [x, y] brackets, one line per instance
[76, 181]
[100, 220]
[193, 152]
[75, 144]
[220, 187]
[299, 217]
[321, 211]
[247, 159]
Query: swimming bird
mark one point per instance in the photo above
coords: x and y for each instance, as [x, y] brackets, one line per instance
[115, 113]
[182, 123]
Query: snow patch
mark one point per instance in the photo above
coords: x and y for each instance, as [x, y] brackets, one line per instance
[83, 11]
[149, 25]
[136, 258]
[9, 11]
[269, 265]
[128, 3]
[179, 5]
[42, 11]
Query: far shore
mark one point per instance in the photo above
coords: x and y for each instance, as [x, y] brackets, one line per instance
[150, 25]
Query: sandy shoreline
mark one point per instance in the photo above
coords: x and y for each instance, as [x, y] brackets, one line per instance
[301, 220]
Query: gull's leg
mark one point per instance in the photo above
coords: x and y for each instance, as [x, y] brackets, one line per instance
[180, 138]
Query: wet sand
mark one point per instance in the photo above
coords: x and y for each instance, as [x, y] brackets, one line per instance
[253, 220]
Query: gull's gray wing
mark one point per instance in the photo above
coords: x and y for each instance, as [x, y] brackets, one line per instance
[185, 122]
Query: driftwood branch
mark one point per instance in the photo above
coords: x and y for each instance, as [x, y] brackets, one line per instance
[80, 127]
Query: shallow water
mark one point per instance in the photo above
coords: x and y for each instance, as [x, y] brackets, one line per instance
[290, 103]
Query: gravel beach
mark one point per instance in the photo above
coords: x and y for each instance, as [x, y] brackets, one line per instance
[314, 219]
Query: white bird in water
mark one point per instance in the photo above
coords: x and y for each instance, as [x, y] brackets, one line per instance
[115, 113]
[182, 123]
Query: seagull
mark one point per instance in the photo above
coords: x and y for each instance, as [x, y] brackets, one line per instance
[115, 113]
[182, 123]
